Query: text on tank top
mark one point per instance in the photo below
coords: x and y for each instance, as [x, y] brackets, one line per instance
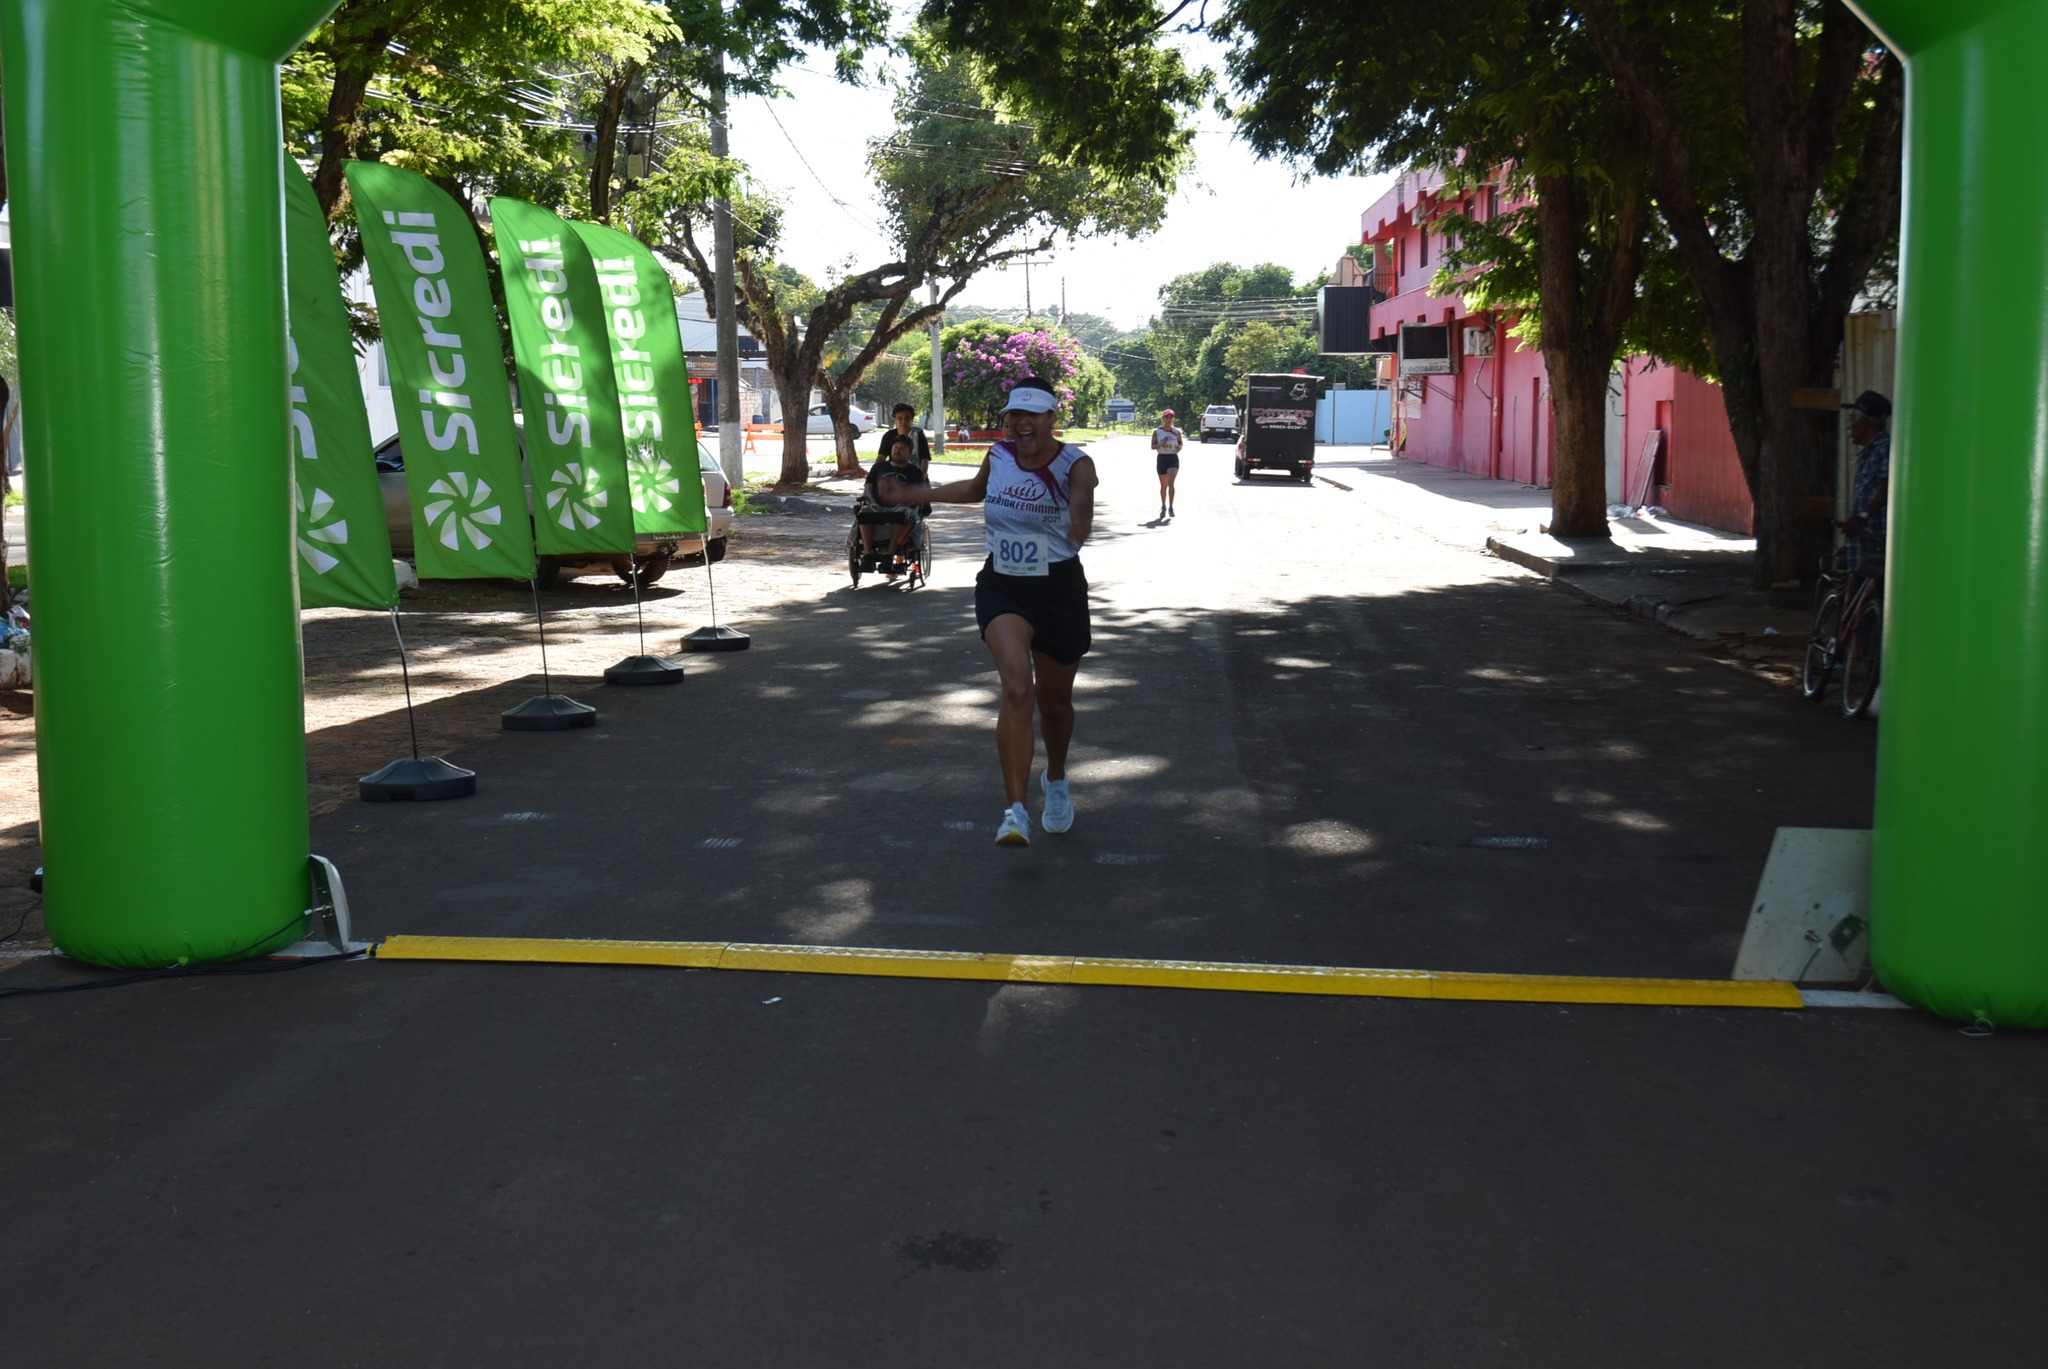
[1026, 511]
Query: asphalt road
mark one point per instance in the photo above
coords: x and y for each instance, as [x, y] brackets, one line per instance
[1304, 728]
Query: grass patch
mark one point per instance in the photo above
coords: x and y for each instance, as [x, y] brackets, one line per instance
[17, 577]
[13, 499]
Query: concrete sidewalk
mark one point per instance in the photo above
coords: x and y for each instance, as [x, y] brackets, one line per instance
[1693, 579]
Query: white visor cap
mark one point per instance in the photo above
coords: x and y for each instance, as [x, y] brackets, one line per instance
[1031, 400]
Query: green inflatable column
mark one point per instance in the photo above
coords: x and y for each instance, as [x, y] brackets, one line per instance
[1959, 918]
[143, 171]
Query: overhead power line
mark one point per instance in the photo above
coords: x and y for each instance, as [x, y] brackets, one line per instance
[844, 207]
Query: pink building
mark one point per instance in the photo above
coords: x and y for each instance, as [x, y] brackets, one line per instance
[1471, 398]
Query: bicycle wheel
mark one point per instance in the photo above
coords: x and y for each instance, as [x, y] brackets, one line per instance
[1821, 646]
[1862, 650]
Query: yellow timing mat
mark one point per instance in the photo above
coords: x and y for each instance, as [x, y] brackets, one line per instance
[1070, 969]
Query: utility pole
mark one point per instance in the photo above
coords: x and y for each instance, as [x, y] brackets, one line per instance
[1027, 290]
[938, 414]
[730, 454]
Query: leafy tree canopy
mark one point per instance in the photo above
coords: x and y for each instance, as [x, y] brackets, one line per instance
[1093, 77]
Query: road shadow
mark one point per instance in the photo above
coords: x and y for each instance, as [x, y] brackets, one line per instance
[1483, 777]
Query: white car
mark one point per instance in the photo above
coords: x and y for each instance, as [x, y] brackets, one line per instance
[652, 556]
[862, 421]
[1220, 419]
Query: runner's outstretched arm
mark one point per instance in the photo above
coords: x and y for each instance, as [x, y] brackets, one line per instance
[892, 494]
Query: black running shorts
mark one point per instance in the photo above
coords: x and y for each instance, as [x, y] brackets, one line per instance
[1168, 461]
[1055, 604]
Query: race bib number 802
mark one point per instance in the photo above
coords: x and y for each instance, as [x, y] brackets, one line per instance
[1023, 555]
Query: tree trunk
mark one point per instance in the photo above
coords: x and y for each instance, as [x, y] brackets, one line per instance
[353, 71]
[838, 401]
[838, 394]
[1578, 415]
[604, 149]
[1584, 309]
[1795, 450]
[794, 371]
[338, 132]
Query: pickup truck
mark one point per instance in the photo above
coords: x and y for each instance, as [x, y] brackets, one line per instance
[1220, 419]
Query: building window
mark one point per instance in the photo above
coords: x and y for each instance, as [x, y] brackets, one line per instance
[1425, 247]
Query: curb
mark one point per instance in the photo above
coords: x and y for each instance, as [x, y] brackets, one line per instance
[1527, 560]
[795, 503]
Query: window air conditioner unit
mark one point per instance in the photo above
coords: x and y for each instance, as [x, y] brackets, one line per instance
[1479, 342]
[1426, 349]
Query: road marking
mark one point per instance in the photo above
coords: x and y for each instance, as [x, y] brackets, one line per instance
[1057, 969]
[719, 843]
[1849, 998]
[1511, 843]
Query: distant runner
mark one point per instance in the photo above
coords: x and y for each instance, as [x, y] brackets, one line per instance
[1166, 442]
[1031, 598]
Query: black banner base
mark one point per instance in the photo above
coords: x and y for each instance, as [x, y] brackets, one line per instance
[548, 713]
[645, 670]
[716, 639]
[432, 778]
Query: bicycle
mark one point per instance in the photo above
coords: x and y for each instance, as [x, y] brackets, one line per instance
[1847, 633]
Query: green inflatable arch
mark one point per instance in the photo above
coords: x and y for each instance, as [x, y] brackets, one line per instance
[1959, 917]
[142, 148]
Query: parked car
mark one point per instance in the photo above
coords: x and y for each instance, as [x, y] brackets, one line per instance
[652, 555]
[862, 421]
[1220, 420]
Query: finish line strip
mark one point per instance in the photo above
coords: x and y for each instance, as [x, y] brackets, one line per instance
[1150, 974]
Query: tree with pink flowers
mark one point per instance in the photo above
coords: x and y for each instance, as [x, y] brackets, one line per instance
[983, 359]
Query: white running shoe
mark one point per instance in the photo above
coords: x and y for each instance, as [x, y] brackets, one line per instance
[1015, 829]
[1059, 805]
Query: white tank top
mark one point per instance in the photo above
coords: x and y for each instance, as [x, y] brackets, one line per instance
[1030, 503]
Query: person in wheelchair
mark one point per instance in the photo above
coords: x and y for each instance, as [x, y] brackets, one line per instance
[898, 466]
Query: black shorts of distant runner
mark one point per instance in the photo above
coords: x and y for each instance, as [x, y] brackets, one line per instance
[1169, 461]
[1055, 604]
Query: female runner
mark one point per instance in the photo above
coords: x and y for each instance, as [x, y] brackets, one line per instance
[1031, 597]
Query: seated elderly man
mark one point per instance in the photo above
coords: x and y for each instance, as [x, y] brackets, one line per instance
[901, 468]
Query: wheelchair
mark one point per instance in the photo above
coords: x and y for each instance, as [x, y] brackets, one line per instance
[912, 561]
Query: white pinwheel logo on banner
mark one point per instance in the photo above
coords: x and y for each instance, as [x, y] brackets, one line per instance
[462, 508]
[313, 510]
[577, 492]
[655, 484]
